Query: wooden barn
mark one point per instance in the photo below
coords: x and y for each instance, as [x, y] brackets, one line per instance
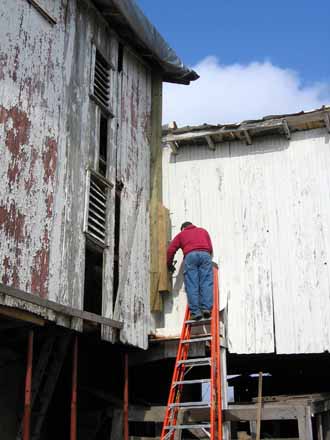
[80, 172]
[261, 189]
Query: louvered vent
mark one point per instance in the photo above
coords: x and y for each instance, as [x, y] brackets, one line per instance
[101, 80]
[96, 207]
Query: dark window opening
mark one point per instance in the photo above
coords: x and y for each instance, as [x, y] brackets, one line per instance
[120, 57]
[93, 279]
[103, 145]
[119, 188]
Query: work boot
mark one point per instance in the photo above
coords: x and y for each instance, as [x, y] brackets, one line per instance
[197, 317]
[206, 314]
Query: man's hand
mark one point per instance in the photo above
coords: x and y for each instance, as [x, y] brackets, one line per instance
[171, 268]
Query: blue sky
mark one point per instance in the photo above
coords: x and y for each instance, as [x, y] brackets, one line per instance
[287, 40]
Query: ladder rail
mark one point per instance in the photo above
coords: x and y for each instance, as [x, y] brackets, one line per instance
[184, 365]
[178, 375]
[218, 358]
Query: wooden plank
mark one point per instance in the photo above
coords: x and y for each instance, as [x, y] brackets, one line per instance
[259, 406]
[163, 239]
[283, 398]
[305, 424]
[151, 414]
[210, 142]
[233, 414]
[286, 129]
[243, 435]
[42, 11]
[117, 425]
[326, 425]
[247, 413]
[198, 134]
[21, 315]
[319, 427]
[270, 123]
[224, 387]
[156, 190]
[174, 146]
[59, 308]
[327, 121]
[247, 137]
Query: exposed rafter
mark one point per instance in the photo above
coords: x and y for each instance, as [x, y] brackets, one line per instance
[174, 146]
[327, 120]
[286, 129]
[210, 142]
[247, 137]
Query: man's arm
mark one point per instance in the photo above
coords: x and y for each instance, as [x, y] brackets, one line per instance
[210, 242]
[172, 248]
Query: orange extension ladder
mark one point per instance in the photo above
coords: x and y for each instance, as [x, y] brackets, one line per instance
[211, 428]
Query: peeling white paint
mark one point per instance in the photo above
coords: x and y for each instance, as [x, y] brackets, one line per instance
[267, 208]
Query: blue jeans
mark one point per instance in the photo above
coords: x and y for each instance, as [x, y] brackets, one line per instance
[198, 280]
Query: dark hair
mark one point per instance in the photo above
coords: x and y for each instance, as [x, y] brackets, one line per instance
[185, 224]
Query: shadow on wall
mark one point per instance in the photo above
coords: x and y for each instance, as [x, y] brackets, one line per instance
[176, 291]
[260, 145]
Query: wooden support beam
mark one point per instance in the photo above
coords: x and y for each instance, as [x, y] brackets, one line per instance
[42, 11]
[170, 126]
[327, 120]
[73, 420]
[125, 406]
[247, 137]
[156, 303]
[174, 146]
[210, 142]
[163, 240]
[176, 137]
[28, 388]
[248, 413]
[233, 413]
[305, 424]
[59, 308]
[259, 407]
[151, 414]
[21, 315]
[286, 129]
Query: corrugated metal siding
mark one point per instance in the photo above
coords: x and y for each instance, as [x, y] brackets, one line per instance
[267, 208]
[134, 171]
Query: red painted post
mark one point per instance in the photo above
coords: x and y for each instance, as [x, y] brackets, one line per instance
[73, 424]
[28, 384]
[125, 418]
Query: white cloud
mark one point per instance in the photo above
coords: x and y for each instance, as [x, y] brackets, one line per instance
[238, 92]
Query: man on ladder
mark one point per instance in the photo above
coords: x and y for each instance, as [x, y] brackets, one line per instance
[198, 272]
[202, 311]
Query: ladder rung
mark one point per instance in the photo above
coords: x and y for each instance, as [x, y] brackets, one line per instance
[200, 322]
[196, 362]
[188, 382]
[200, 426]
[204, 338]
[190, 405]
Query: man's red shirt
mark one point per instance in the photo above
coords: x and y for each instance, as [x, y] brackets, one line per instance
[190, 239]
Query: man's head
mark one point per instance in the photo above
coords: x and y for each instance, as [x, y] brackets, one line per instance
[185, 224]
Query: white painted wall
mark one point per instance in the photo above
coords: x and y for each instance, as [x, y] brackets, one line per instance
[267, 208]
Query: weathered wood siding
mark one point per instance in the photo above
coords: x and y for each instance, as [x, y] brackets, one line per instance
[267, 208]
[134, 171]
[48, 136]
[32, 147]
